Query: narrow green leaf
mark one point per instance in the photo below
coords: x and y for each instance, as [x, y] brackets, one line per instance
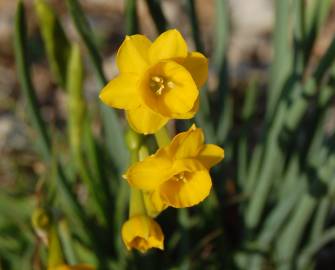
[131, 17]
[56, 43]
[224, 103]
[157, 15]
[306, 256]
[112, 126]
[195, 26]
[77, 120]
[33, 109]
[23, 69]
[282, 54]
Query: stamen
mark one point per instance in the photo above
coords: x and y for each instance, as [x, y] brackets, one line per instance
[158, 84]
[181, 177]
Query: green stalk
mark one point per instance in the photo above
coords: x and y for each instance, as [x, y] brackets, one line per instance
[273, 225]
[281, 62]
[271, 160]
[253, 170]
[289, 240]
[77, 115]
[251, 94]
[131, 17]
[195, 26]
[137, 204]
[317, 12]
[162, 137]
[306, 256]
[320, 219]
[157, 15]
[288, 118]
[112, 127]
[55, 254]
[220, 64]
[56, 43]
[29, 92]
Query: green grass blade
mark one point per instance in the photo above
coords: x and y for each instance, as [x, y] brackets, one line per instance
[86, 34]
[195, 26]
[131, 17]
[77, 121]
[23, 69]
[317, 12]
[112, 126]
[282, 56]
[224, 105]
[306, 256]
[34, 113]
[157, 15]
[56, 43]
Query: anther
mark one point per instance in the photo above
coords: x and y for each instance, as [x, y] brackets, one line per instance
[158, 84]
[181, 177]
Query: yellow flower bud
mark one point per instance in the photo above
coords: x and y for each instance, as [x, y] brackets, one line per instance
[142, 233]
[72, 267]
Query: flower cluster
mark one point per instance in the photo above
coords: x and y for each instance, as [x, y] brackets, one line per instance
[159, 81]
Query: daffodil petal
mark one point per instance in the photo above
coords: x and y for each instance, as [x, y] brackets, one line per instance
[142, 233]
[197, 64]
[187, 165]
[133, 54]
[191, 113]
[169, 44]
[149, 173]
[153, 203]
[210, 155]
[186, 144]
[145, 121]
[179, 92]
[187, 193]
[122, 92]
[183, 94]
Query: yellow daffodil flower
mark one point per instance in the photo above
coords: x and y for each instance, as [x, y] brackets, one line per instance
[73, 267]
[158, 81]
[177, 175]
[142, 233]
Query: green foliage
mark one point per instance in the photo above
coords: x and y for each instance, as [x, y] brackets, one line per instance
[272, 195]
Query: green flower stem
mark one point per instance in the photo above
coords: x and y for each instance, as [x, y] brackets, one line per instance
[55, 256]
[136, 205]
[162, 137]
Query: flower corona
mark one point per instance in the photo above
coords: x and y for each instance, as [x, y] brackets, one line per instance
[142, 233]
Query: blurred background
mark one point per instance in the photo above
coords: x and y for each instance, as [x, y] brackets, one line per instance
[247, 54]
